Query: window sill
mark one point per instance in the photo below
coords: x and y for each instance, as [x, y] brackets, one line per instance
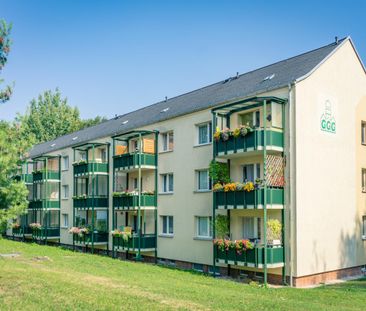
[162, 235]
[165, 151]
[202, 145]
[65, 170]
[64, 199]
[202, 191]
[64, 227]
[202, 238]
[166, 193]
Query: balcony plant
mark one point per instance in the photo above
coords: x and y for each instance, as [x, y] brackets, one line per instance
[35, 226]
[221, 226]
[80, 231]
[219, 172]
[234, 186]
[125, 235]
[15, 226]
[274, 232]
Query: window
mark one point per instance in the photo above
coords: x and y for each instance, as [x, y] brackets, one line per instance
[251, 172]
[168, 141]
[364, 180]
[204, 227]
[167, 227]
[198, 267]
[136, 184]
[204, 133]
[103, 155]
[203, 180]
[65, 221]
[363, 132]
[167, 183]
[65, 163]
[364, 227]
[65, 191]
[251, 227]
[251, 118]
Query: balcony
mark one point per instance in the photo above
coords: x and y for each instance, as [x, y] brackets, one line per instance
[252, 257]
[45, 233]
[90, 167]
[130, 202]
[39, 176]
[97, 237]
[89, 202]
[148, 243]
[40, 204]
[249, 200]
[21, 231]
[253, 141]
[130, 161]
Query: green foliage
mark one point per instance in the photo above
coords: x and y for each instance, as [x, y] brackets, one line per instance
[13, 194]
[5, 44]
[274, 230]
[50, 116]
[219, 172]
[221, 226]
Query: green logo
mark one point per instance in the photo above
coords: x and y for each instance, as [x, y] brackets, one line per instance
[327, 121]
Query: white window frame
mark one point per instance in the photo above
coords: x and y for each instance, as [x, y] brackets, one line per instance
[198, 189]
[209, 133]
[363, 227]
[64, 197]
[165, 137]
[165, 182]
[209, 228]
[256, 228]
[363, 132]
[254, 112]
[165, 230]
[363, 180]
[64, 167]
[65, 221]
[256, 166]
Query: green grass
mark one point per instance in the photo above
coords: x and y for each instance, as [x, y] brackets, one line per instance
[73, 281]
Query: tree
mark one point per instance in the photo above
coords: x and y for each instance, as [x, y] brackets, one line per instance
[50, 116]
[5, 43]
[13, 193]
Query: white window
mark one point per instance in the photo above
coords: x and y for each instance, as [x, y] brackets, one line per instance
[204, 133]
[276, 116]
[168, 141]
[204, 227]
[167, 183]
[65, 163]
[364, 180]
[103, 155]
[65, 220]
[65, 191]
[363, 132]
[251, 228]
[203, 180]
[251, 172]
[251, 118]
[167, 225]
[136, 183]
[364, 227]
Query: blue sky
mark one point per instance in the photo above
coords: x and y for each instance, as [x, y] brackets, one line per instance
[112, 57]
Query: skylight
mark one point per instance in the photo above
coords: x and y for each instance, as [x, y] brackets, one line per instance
[270, 77]
[75, 138]
[125, 122]
[165, 110]
[53, 145]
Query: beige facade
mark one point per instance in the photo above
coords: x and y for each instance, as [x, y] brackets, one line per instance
[323, 198]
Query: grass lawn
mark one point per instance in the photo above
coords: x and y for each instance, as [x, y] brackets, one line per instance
[65, 280]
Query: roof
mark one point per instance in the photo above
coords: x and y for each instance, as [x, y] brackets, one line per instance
[261, 80]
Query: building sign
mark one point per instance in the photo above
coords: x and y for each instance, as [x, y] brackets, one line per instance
[327, 120]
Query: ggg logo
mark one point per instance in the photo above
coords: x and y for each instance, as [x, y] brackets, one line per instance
[327, 121]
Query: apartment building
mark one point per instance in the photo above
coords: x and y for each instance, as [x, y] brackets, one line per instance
[290, 136]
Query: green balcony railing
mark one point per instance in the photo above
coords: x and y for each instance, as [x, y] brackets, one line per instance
[148, 242]
[132, 201]
[87, 168]
[131, 160]
[39, 176]
[254, 257]
[250, 142]
[46, 203]
[99, 237]
[27, 178]
[90, 202]
[45, 233]
[252, 199]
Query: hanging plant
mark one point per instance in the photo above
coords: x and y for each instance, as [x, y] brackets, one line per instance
[219, 172]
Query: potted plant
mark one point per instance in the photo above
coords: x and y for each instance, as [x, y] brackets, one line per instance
[274, 232]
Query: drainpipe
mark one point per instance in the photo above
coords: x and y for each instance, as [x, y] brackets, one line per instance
[292, 178]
